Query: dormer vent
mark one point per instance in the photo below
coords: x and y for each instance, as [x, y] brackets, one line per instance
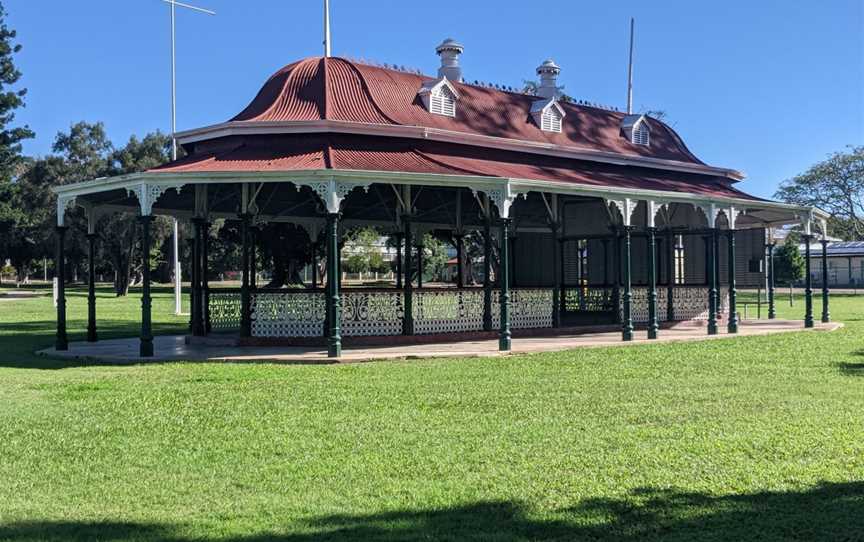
[449, 51]
[548, 115]
[636, 129]
[548, 73]
[439, 96]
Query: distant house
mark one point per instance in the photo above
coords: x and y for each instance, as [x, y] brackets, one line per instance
[845, 263]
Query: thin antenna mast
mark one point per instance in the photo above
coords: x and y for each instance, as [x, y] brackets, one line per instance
[327, 28]
[178, 279]
[630, 70]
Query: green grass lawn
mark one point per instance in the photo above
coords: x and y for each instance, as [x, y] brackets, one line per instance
[758, 438]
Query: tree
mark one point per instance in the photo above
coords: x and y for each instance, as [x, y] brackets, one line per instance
[434, 257]
[83, 153]
[788, 263]
[11, 160]
[10, 100]
[835, 185]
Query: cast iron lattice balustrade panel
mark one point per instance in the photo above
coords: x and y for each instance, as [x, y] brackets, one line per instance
[448, 311]
[588, 299]
[529, 308]
[225, 310]
[639, 305]
[296, 314]
[372, 313]
[691, 303]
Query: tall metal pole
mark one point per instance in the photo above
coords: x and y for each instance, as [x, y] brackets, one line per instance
[178, 272]
[327, 28]
[630, 70]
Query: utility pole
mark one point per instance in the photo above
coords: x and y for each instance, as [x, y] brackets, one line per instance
[178, 276]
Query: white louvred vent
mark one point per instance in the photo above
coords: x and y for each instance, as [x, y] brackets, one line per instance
[443, 102]
[551, 120]
[641, 135]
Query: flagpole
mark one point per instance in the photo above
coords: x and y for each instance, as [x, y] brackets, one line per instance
[178, 272]
[326, 28]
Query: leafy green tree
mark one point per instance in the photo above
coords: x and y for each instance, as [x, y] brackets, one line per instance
[788, 263]
[835, 185]
[434, 257]
[83, 153]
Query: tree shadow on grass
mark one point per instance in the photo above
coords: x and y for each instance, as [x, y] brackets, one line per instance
[831, 511]
[851, 369]
[18, 347]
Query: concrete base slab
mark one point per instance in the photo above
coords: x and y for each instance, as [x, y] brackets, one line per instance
[177, 348]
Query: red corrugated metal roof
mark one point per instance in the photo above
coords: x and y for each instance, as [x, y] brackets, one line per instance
[337, 89]
[368, 153]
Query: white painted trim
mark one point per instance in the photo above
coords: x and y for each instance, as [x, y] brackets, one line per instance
[450, 136]
[354, 178]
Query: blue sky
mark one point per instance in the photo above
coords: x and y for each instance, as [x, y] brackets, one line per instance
[768, 87]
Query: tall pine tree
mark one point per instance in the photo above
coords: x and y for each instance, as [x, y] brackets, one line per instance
[11, 99]
[10, 137]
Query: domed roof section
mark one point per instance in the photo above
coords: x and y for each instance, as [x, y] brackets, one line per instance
[337, 89]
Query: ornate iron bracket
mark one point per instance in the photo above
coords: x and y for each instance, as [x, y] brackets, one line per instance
[149, 193]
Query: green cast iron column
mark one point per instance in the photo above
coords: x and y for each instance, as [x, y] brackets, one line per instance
[193, 252]
[616, 287]
[670, 277]
[732, 325]
[717, 274]
[420, 249]
[334, 337]
[504, 338]
[197, 293]
[408, 287]
[652, 284]
[398, 237]
[146, 348]
[712, 282]
[627, 316]
[253, 259]
[245, 294]
[62, 341]
[487, 275]
[772, 311]
[91, 288]
[205, 272]
[808, 282]
[460, 254]
[826, 314]
[314, 259]
[556, 277]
